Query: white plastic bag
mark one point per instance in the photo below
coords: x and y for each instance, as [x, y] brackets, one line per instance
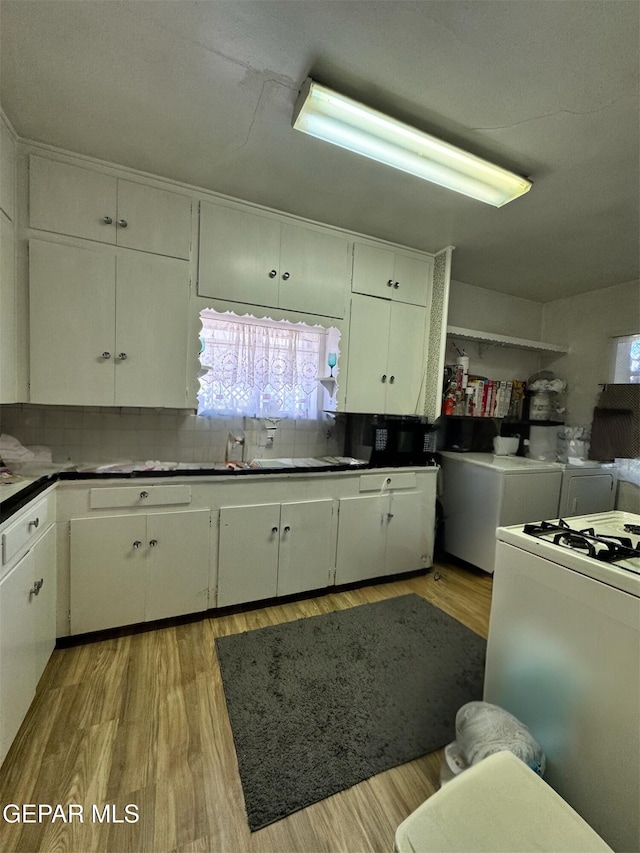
[481, 730]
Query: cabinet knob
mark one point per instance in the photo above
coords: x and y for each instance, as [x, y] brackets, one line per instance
[106, 354]
[122, 356]
[137, 543]
[389, 516]
[37, 586]
[287, 529]
[144, 494]
[390, 283]
[122, 223]
[392, 379]
[286, 276]
[274, 530]
[396, 284]
[34, 523]
[153, 543]
[107, 220]
[273, 273]
[383, 378]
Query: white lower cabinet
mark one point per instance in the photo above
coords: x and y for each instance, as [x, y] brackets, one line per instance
[381, 535]
[274, 549]
[27, 632]
[136, 568]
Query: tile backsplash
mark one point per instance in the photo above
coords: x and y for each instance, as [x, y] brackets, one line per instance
[83, 434]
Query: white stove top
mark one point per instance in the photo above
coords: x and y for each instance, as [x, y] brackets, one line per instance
[585, 544]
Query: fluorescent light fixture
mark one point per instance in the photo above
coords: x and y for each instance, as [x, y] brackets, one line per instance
[327, 115]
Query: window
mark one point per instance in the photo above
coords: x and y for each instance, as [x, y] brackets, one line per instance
[264, 368]
[626, 359]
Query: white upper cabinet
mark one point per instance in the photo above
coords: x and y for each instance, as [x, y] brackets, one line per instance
[389, 274]
[81, 202]
[386, 357]
[8, 313]
[107, 327]
[7, 171]
[261, 260]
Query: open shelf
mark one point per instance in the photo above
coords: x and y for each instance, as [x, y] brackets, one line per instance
[503, 340]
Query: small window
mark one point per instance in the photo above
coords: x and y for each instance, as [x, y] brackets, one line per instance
[258, 367]
[626, 359]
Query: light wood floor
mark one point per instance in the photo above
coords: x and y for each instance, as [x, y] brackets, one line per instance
[142, 719]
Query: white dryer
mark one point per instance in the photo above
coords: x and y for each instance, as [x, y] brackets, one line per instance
[587, 488]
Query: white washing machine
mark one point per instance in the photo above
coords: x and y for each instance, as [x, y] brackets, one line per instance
[586, 488]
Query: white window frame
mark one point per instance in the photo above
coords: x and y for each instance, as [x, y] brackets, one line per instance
[260, 401]
[621, 369]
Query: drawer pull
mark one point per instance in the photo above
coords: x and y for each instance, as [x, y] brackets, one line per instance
[37, 586]
[144, 495]
[34, 523]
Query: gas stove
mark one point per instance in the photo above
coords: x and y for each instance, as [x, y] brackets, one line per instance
[611, 543]
[605, 546]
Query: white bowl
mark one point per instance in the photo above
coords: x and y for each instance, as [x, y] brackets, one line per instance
[503, 446]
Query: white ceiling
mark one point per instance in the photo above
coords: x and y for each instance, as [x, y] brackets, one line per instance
[203, 92]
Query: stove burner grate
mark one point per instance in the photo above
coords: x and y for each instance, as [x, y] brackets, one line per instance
[604, 547]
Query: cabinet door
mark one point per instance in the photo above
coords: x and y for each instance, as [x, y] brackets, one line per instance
[248, 553]
[368, 344]
[108, 572]
[406, 535]
[7, 171]
[372, 271]
[362, 536]
[8, 316]
[44, 604]
[307, 546]
[17, 664]
[72, 200]
[313, 271]
[72, 323]
[158, 221]
[406, 359]
[413, 276]
[239, 255]
[152, 314]
[177, 548]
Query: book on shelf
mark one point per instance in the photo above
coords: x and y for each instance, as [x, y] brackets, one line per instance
[482, 398]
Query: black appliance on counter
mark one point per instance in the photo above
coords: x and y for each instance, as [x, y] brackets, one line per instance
[387, 441]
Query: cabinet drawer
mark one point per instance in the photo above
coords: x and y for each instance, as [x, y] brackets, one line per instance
[376, 482]
[139, 496]
[27, 528]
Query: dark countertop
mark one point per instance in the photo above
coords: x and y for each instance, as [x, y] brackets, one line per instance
[33, 487]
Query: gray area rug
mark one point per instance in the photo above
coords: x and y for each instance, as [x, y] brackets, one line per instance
[320, 704]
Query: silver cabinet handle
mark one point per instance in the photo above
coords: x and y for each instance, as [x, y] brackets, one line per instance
[137, 543]
[286, 276]
[122, 223]
[287, 529]
[122, 356]
[273, 273]
[107, 220]
[144, 494]
[396, 284]
[153, 543]
[106, 354]
[383, 378]
[34, 523]
[274, 529]
[390, 283]
[392, 379]
[37, 586]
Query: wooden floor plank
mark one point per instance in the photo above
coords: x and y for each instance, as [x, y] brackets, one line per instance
[141, 719]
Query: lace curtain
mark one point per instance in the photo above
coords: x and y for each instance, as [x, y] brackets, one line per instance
[260, 368]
